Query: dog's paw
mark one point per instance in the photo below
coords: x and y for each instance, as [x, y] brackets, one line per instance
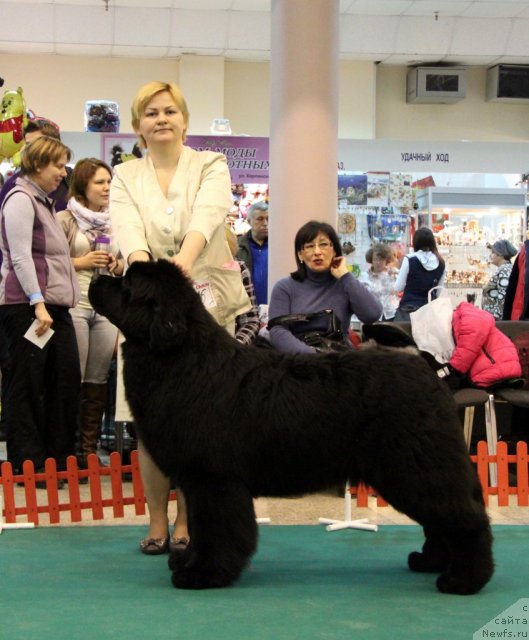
[426, 563]
[190, 572]
[177, 557]
[462, 585]
[195, 579]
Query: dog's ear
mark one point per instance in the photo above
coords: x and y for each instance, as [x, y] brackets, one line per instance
[168, 328]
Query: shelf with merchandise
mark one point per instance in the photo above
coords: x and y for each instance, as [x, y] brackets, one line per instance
[465, 223]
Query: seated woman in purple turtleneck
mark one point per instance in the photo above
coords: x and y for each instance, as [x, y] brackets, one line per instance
[321, 281]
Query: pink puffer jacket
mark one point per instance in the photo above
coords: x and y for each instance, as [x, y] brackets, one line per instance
[482, 351]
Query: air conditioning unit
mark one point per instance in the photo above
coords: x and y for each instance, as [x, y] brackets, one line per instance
[508, 83]
[436, 85]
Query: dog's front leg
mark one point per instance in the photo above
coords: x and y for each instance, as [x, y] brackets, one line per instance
[223, 534]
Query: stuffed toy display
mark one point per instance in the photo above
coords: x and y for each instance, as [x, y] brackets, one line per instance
[102, 116]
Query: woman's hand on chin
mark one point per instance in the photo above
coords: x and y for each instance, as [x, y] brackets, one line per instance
[339, 267]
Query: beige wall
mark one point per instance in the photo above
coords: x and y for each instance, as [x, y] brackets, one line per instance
[58, 86]
[357, 102]
[471, 119]
[202, 76]
[247, 97]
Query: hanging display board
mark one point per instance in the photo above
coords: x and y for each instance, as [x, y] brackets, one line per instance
[430, 157]
[249, 156]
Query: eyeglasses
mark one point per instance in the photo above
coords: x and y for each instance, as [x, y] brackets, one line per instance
[311, 246]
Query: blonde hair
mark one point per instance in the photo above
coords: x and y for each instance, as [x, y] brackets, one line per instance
[40, 153]
[146, 94]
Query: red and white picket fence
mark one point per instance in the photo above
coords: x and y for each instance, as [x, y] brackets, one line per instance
[106, 488]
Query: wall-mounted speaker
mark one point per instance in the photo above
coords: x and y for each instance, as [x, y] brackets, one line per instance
[508, 83]
[431, 85]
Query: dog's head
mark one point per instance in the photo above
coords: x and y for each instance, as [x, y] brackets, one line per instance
[150, 304]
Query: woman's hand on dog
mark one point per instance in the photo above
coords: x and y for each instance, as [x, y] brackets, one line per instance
[184, 264]
[191, 248]
[115, 266]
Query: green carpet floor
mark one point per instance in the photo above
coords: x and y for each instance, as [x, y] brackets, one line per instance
[88, 583]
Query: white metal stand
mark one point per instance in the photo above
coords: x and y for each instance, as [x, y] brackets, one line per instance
[491, 431]
[12, 525]
[347, 522]
[492, 438]
[262, 520]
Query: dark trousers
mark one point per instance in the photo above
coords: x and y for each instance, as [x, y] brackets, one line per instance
[42, 399]
[4, 364]
[403, 312]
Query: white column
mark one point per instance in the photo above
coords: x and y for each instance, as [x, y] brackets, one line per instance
[303, 123]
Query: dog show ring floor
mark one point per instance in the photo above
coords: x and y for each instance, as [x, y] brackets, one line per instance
[90, 581]
[86, 583]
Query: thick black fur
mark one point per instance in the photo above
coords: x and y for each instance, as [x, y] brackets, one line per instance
[230, 422]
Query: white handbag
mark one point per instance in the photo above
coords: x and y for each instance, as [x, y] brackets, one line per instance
[431, 327]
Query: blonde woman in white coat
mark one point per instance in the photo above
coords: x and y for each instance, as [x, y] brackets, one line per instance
[172, 204]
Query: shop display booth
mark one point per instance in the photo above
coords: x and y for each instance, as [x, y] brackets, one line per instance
[465, 222]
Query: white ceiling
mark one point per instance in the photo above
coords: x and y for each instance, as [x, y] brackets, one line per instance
[467, 32]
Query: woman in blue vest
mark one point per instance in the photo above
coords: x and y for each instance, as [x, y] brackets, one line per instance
[419, 273]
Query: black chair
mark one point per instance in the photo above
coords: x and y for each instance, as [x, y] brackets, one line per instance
[515, 397]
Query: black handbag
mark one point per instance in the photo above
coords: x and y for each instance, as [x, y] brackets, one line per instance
[321, 330]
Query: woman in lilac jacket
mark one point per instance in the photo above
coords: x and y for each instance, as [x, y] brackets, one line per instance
[38, 288]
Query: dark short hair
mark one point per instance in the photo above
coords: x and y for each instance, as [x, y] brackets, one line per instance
[83, 172]
[307, 233]
[46, 127]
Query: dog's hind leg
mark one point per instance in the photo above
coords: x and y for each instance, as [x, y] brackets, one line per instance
[460, 542]
[447, 501]
[434, 557]
[223, 535]
[471, 565]
[459, 547]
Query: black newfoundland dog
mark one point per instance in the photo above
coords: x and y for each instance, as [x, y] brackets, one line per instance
[230, 422]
